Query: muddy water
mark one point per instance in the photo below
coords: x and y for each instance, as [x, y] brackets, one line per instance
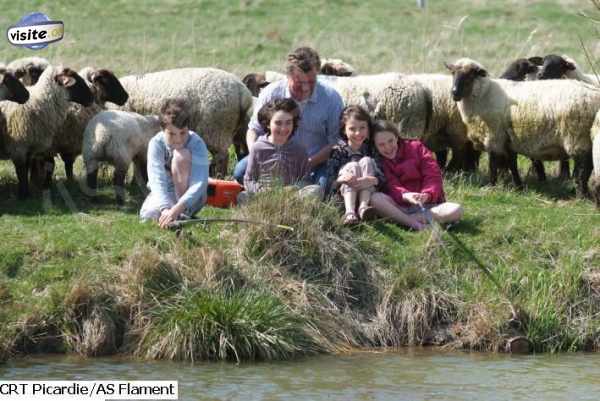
[417, 374]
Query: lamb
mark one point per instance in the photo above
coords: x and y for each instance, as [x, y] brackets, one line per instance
[545, 120]
[117, 137]
[28, 69]
[220, 103]
[69, 140]
[30, 128]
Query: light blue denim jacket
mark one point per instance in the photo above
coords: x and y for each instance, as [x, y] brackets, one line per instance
[160, 181]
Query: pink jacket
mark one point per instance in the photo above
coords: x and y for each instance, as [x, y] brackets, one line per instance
[414, 169]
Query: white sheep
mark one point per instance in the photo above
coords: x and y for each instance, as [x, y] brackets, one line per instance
[28, 69]
[69, 140]
[219, 103]
[30, 127]
[545, 120]
[119, 138]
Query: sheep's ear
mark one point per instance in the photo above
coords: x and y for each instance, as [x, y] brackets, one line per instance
[481, 72]
[451, 67]
[569, 65]
[65, 80]
[536, 60]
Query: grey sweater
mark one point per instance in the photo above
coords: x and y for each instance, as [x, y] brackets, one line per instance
[270, 164]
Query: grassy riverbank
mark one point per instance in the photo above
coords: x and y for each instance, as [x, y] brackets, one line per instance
[84, 276]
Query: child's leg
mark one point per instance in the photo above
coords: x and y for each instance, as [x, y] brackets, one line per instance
[181, 167]
[447, 212]
[349, 194]
[387, 207]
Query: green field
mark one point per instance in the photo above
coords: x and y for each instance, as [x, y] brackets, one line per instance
[71, 266]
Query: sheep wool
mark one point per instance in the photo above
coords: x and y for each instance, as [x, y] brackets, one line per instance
[219, 100]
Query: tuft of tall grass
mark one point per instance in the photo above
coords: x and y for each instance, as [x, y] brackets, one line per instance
[93, 323]
[220, 325]
[319, 249]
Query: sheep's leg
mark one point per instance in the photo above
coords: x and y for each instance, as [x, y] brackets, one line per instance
[514, 169]
[119, 183]
[69, 160]
[584, 172]
[91, 168]
[441, 157]
[493, 166]
[22, 169]
[538, 167]
[140, 171]
[48, 171]
[563, 169]
[470, 158]
[220, 161]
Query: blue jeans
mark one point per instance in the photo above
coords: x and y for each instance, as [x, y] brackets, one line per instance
[317, 176]
[240, 169]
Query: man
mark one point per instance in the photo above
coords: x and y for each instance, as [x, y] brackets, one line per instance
[320, 110]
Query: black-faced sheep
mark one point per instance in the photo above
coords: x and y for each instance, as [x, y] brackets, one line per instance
[523, 69]
[30, 127]
[545, 120]
[28, 69]
[69, 141]
[556, 67]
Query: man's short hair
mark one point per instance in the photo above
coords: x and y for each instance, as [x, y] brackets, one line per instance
[175, 111]
[304, 58]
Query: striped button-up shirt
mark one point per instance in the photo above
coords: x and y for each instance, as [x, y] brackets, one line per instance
[319, 118]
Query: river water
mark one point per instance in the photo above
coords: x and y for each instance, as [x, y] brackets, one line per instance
[410, 374]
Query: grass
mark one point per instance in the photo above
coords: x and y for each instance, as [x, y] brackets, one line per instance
[82, 275]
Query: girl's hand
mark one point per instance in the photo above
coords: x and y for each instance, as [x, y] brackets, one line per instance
[347, 179]
[416, 198]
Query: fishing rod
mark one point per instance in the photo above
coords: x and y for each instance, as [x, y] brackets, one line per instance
[179, 224]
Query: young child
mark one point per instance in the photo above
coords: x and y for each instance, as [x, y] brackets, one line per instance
[177, 168]
[351, 167]
[414, 191]
[274, 158]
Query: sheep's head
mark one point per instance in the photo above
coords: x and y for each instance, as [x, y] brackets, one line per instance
[255, 82]
[464, 73]
[555, 67]
[521, 68]
[107, 87]
[336, 67]
[77, 89]
[12, 89]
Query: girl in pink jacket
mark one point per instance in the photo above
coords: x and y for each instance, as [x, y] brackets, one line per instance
[414, 185]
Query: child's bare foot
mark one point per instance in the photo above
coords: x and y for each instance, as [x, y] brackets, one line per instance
[350, 219]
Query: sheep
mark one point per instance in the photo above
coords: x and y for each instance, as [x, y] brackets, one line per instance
[28, 69]
[13, 90]
[69, 140]
[545, 120]
[336, 67]
[595, 179]
[523, 69]
[220, 103]
[117, 137]
[30, 127]
[445, 128]
[556, 67]
[520, 70]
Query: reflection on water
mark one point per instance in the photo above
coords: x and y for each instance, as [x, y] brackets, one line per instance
[415, 374]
